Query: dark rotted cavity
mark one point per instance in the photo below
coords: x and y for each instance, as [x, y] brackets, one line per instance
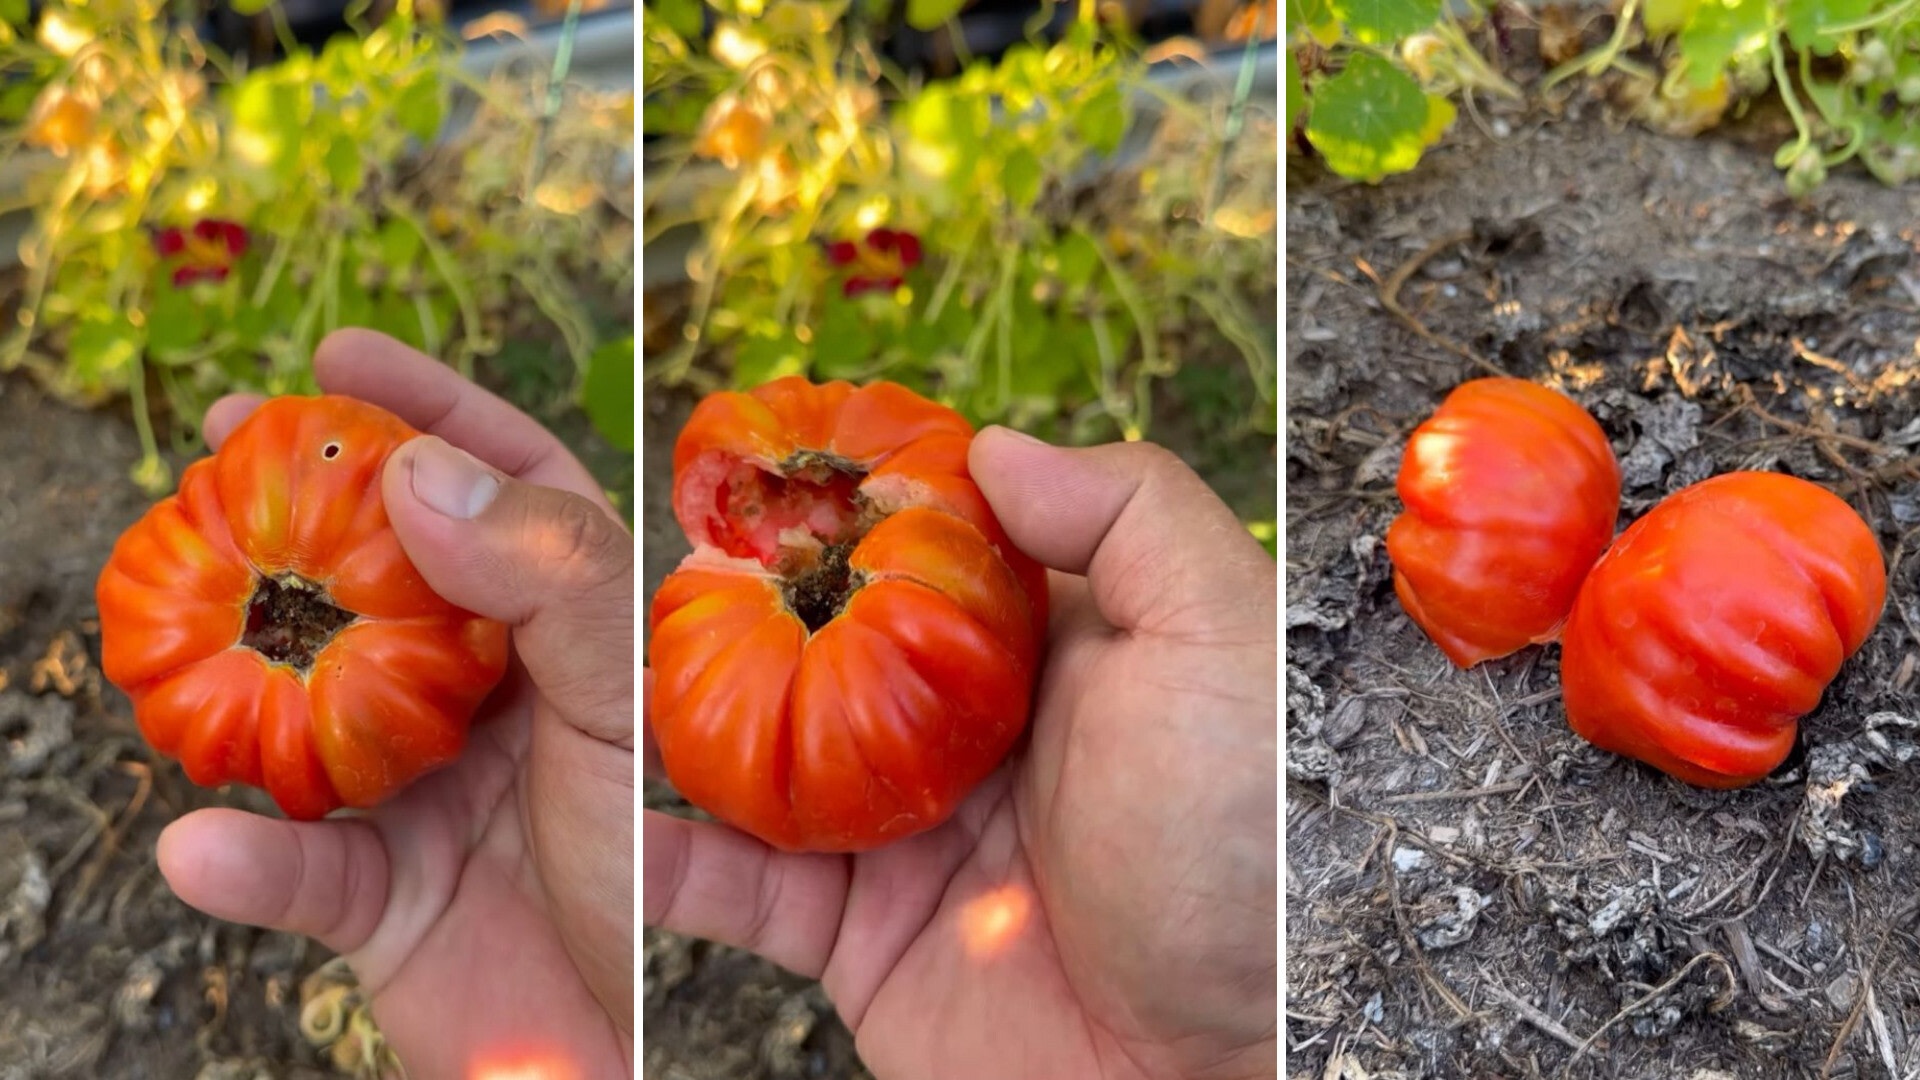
[289, 622]
[817, 593]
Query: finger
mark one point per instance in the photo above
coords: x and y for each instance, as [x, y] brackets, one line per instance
[1159, 548]
[225, 415]
[324, 879]
[709, 881]
[434, 398]
[548, 562]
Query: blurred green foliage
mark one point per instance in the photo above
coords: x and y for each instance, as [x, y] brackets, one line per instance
[198, 227]
[1017, 240]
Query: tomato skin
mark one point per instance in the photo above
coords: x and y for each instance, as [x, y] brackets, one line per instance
[294, 493]
[1511, 492]
[1716, 621]
[875, 725]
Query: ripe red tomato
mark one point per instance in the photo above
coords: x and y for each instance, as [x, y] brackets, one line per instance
[1716, 622]
[1511, 493]
[851, 647]
[271, 631]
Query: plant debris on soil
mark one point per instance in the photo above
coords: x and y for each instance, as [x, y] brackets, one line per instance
[1472, 891]
[104, 975]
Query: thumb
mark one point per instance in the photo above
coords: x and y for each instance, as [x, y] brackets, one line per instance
[549, 563]
[1159, 549]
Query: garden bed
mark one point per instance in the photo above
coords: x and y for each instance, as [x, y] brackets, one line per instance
[1471, 889]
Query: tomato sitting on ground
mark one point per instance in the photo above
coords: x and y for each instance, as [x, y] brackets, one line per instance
[271, 631]
[1511, 493]
[1717, 621]
[852, 645]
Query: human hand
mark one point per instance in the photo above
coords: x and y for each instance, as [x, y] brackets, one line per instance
[487, 911]
[1105, 904]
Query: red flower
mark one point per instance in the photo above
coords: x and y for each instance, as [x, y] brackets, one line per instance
[204, 252]
[878, 263]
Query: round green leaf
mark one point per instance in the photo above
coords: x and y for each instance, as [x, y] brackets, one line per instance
[932, 14]
[607, 392]
[1372, 119]
[1377, 22]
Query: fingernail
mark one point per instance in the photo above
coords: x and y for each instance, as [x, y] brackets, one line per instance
[450, 480]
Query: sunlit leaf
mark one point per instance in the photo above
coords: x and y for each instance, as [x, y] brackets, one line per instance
[761, 359]
[1102, 119]
[103, 348]
[1663, 17]
[843, 343]
[345, 167]
[176, 323]
[1378, 21]
[1021, 173]
[1372, 119]
[607, 392]
[1718, 32]
[932, 14]
[1296, 89]
[1807, 21]
[684, 17]
[1314, 18]
[249, 7]
[421, 107]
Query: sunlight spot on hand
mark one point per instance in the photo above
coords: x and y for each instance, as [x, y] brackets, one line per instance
[526, 1064]
[989, 923]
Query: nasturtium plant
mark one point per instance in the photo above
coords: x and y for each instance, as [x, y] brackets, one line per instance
[1373, 119]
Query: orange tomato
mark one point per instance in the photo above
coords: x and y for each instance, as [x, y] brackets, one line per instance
[1717, 621]
[271, 631]
[1511, 492]
[851, 647]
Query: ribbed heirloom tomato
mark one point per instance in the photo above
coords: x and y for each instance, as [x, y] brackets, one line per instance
[1511, 493]
[1716, 621]
[271, 631]
[851, 647]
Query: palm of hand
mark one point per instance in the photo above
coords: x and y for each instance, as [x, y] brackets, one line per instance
[1072, 920]
[467, 966]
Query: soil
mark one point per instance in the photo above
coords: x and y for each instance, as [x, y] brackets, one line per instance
[1472, 891]
[104, 975]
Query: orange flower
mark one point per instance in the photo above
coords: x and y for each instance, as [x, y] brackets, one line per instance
[61, 121]
[732, 132]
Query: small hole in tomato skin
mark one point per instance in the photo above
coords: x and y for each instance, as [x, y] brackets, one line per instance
[330, 451]
[289, 621]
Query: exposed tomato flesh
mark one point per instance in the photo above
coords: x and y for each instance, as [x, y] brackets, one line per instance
[813, 501]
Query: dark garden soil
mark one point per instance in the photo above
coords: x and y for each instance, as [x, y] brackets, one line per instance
[103, 974]
[1472, 891]
[715, 1013]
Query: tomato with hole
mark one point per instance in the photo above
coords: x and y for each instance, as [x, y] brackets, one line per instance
[1716, 621]
[852, 646]
[1511, 492]
[270, 630]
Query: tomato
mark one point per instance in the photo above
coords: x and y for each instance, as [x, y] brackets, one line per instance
[1716, 622]
[270, 630]
[1511, 492]
[852, 645]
